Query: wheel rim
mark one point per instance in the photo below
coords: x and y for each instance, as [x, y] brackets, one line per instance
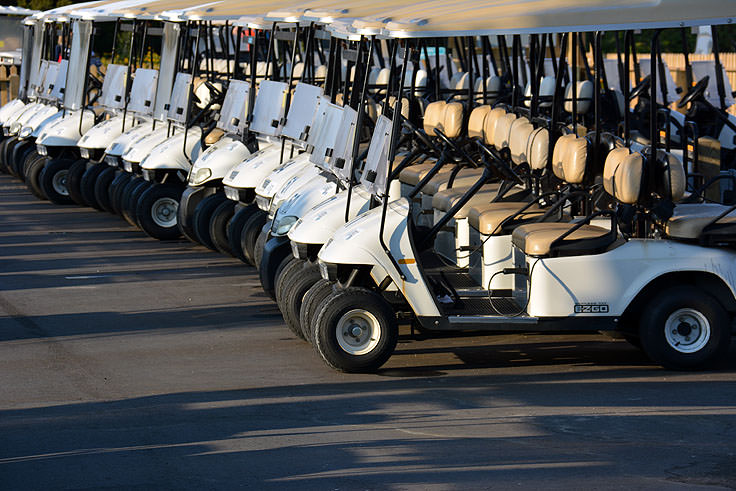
[687, 330]
[163, 212]
[358, 332]
[59, 182]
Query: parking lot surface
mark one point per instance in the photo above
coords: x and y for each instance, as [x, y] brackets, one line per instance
[131, 363]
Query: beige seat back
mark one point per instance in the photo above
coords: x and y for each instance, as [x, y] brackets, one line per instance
[502, 132]
[434, 115]
[622, 175]
[538, 149]
[671, 181]
[489, 125]
[584, 97]
[452, 123]
[559, 154]
[521, 130]
[477, 121]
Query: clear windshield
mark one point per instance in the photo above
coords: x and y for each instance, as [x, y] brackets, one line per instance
[113, 87]
[143, 91]
[324, 146]
[708, 67]
[179, 97]
[301, 110]
[269, 108]
[234, 108]
[376, 162]
[78, 65]
[167, 68]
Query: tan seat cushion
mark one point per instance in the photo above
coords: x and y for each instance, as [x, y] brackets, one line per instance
[414, 173]
[446, 199]
[487, 218]
[477, 120]
[434, 115]
[466, 177]
[535, 239]
[489, 125]
[213, 136]
[690, 219]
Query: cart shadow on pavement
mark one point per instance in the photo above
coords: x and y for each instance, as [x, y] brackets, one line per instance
[463, 431]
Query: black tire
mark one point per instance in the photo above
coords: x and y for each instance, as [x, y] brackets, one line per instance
[251, 235]
[20, 153]
[33, 168]
[7, 155]
[201, 219]
[102, 188]
[310, 303]
[218, 226]
[87, 185]
[3, 145]
[156, 211]
[685, 329]
[116, 190]
[53, 180]
[74, 181]
[235, 230]
[369, 349]
[259, 246]
[137, 187]
[294, 290]
[284, 276]
[285, 263]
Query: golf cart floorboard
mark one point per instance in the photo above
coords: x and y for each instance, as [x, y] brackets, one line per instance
[501, 306]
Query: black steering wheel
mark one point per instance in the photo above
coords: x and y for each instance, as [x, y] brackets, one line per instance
[502, 170]
[217, 94]
[640, 87]
[694, 92]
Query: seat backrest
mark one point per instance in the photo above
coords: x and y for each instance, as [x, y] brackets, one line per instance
[503, 130]
[575, 160]
[489, 125]
[434, 115]
[584, 97]
[453, 119]
[477, 121]
[671, 178]
[538, 149]
[559, 155]
[622, 175]
[521, 129]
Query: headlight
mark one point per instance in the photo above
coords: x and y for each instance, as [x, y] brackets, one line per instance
[84, 152]
[324, 270]
[6, 130]
[41, 149]
[15, 128]
[128, 166]
[111, 160]
[200, 176]
[148, 175]
[263, 202]
[232, 193]
[295, 249]
[282, 225]
[25, 132]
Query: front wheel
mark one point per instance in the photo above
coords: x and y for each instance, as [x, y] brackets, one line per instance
[33, 168]
[310, 303]
[201, 219]
[355, 330]
[218, 226]
[74, 181]
[685, 329]
[156, 211]
[102, 188]
[53, 180]
[87, 184]
[235, 230]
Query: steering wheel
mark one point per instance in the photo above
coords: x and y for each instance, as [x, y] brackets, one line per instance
[694, 92]
[641, 87]
[216, 93]
[501, 168]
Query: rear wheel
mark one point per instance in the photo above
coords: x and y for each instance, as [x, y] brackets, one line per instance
[87, 184]
[201, 219]
[235, 230]
[33, 168]
[250, 235]
[218, 226]
[685, 329]
[156, 211]
[310, 303]
[102, 188]
[74, 181]
[301, 280]
[53, 180]
[355, 330]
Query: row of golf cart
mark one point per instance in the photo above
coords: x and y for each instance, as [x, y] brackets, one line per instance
[466, 167]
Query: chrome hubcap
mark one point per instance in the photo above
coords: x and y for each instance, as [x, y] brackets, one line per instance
[687, 330]
[58, 182]
[164, 211]
[358, 332]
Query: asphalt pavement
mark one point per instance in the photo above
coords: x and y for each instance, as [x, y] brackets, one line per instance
[127, 363]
